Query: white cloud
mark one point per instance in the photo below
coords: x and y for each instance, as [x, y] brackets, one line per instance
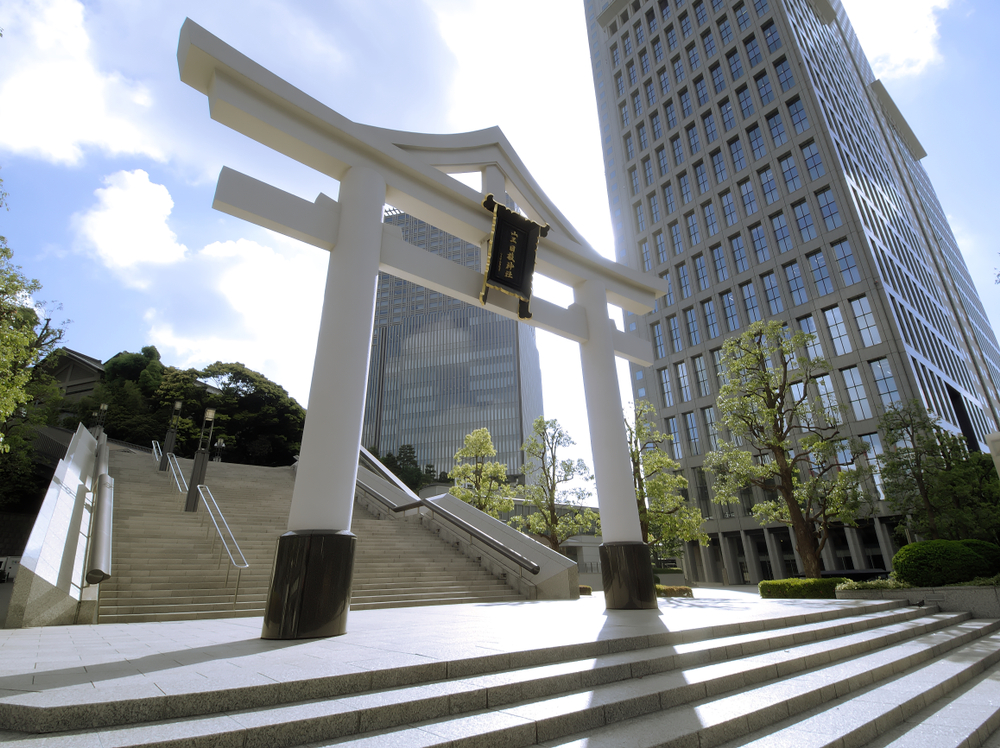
[899, 36]
[277, 295]
[56, 102]
[128, 226]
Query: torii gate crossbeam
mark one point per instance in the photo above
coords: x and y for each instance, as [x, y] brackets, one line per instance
[310, 588]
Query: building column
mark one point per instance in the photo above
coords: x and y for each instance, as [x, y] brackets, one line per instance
[753, 562]
[885, 543]
[692, 550]
[625, 561]
[828, 556]
[730, 561]
[775, 554]
[857, 546]
[712, 575]
[799, 566]
[310, 590]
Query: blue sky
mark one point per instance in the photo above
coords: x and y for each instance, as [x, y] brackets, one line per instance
[111, 162]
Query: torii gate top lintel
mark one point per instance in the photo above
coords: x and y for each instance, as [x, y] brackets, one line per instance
[252, 100]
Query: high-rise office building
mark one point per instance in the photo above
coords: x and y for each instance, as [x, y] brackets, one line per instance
[441, 368]
[755, 164]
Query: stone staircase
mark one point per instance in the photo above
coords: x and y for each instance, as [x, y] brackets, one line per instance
[168, 565]
[862, 674]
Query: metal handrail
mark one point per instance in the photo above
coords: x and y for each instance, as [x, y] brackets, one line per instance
[509, 553]
[212, 507]
[157, 452]
[175, 469]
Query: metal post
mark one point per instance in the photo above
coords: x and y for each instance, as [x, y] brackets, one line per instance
[170, 441]
[200, 462]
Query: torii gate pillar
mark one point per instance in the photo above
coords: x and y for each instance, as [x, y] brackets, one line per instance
[310, 590]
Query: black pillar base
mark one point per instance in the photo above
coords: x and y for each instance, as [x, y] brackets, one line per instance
[310, 591]
[627, 573]
[197, 479]
[168, 446]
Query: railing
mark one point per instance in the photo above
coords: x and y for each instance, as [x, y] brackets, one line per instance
[374, 466]
[157, 453]
[213, 508]
[175, 469]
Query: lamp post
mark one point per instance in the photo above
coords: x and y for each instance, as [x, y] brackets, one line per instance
[200, 461]
[220, 445]
[100, 415]
[170, 440]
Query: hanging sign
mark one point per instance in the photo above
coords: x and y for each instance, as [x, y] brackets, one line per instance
[511, 255]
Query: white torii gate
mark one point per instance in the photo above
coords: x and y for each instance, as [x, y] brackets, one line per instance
[311, 583]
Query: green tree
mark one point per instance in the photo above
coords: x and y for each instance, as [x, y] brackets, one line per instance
[929, 475]
[558, 512]
[787, 438]
[665, 517]
[478, 480]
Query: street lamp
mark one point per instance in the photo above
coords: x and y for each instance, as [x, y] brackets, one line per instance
[220, 445]
[99, 416]
[170, 440]
[200, 462]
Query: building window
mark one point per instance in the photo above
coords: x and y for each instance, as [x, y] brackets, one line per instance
[720, 373]
[821, 276]
[675, 238]
[753, 51]
[826, 394]
[675, 335]
[856, 393]
[643, 140]
[691, 424]
[750, 302]
[813, 161]
[658, 50]
[644, 62]
[675, 438]
[725, 32]
[718, 78]
[739, 254]
[701, 376]
[782, 236]
[647, 264]
[711, 134]
[771, 38]
[664, 82]
[866, 322]
[661, 247]
[694, 337]
[671, 38]
[701, 174]
[795, 285]
[729, 310]
[693, 233]
[749, 199]
[675, 145]
[686, 26]
[692, 137]
[683, 383]
[814, 348]
[769, 186]
[729, 209]
[625, 119]
[828, 209]
[668, 197]
[777, 128]
[797, 112]
[701, 272]
[637, 104]
[736, 151]
[884, 382]
[629, 148]
[616, 58]
[764, 89]
[693, 60]
[665, 389]
[658, 345]
[712, 428]
[735, 64]
[711, 323]
[785, 77]
[742, 17]
[803, 217]
[700, 14]
[719, 164]
[746, 102]
[710, 223]
[685, 184]
[640, 217]
[670, 287]
[634, 179]
[757, 142]
[708, 42]
[661, 161]
[647, 169]
[838, 331]
[678, 71]
[759, 241]
[791, 174]
[686, 108]
[772, 293]
[657, 126]
[633, 77]
[682, 275]
[719, 260]
[845, 259]
[627, 44]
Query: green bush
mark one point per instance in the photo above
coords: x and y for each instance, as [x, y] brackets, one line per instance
[586, 589]
[874, 584]
[811, 589]
[663, 590]
[935, 563]
[989, 552]
[667, 570]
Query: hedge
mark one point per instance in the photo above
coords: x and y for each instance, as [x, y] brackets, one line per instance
[586, 589]
[663, 590]
[990, 553]
[811, 589]
[935, 563]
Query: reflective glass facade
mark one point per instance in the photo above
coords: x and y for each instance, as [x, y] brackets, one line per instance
[441, 368]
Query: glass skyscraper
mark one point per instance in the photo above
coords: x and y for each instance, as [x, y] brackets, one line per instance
[756, 165]
[441, 368]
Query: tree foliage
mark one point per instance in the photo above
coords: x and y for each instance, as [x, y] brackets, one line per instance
[786, 438]
[665, 517]
[478, 480]
[929, 475]
[558, 512]
[405, 467]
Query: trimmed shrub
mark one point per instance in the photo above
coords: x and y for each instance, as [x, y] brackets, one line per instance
[989, 552]
[874, 584]
[801, 589]
[586, 589]
[935, 563]
[667, 570]
[663, 590]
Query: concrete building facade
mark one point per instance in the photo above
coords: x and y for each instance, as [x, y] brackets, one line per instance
[756, 164]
